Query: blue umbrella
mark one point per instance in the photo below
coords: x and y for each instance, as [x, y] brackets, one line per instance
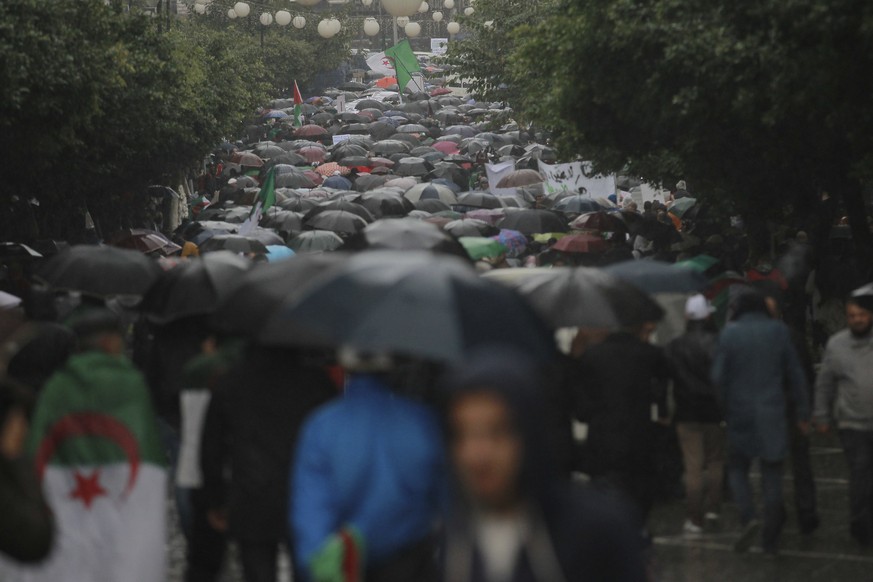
[276, 253]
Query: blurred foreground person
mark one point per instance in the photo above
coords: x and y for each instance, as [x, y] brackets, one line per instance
[367, 483]
[755, 367]
[26, 528]
[513, 519]
[698, 416]
[95, 445]
[844, 396]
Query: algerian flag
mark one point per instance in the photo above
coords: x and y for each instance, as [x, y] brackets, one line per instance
[406, 66]
[298, 106]
[266, 198]
[97, 452]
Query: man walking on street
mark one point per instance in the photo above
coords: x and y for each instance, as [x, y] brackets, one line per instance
[755, 360]
[844, 394]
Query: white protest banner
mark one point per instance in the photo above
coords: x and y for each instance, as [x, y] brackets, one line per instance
[497, 172]
[439, 46]
[341, 138]
[340, 103]
[573, 177]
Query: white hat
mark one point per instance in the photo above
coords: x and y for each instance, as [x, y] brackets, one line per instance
[697, 308]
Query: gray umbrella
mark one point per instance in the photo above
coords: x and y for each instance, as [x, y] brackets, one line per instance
[338, 221]
[412, 167]
[315, 241]
[390, 146]
[367, 182]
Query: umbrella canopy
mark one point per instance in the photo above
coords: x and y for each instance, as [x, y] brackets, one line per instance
[577, 205]
[470, 227]
[519, 178]
[410, 303]
[315, 241]
[681, 206]
[194, 287]
[700, 263]
[337, 221]
[145, 241]
[600, 222]
[263, 288]
[342, 205]
[581, 243]
[283, 220]
[514, 241]
[413, 166]
[431, 205]
[234, 243]
[331, 168]
[533, 221]
[480, 247]
[247, 159]
[386, 203]
[479, 199]
[586, 297]
[310, 131]
[100, 270]
[658, 277]
[386, 147]
[426, 191]
[409, 234]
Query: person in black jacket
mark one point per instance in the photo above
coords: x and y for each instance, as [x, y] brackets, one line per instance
[251, 429]
[698, 416]
[622, 388]
[512, 518]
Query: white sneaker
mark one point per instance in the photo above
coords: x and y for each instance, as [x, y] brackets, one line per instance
[690, 529]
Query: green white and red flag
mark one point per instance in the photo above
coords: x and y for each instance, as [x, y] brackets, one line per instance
[298, 106]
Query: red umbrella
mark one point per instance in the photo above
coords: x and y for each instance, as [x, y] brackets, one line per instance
[581, 243]
[310, 131]
[313, 154]
[598, 221]
[440, 91]
[330, 168]
[145, 241]
[446, 147]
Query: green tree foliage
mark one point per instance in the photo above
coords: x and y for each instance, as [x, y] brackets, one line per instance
[96, 105]
[481, 56]
[765, 102]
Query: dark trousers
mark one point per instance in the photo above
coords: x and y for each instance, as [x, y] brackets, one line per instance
[771, 486]
[259, 561]
[804, 481]
[858, 447]
[416, 562]
[206, 546]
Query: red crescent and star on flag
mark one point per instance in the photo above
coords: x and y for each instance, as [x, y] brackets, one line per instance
[88, 487]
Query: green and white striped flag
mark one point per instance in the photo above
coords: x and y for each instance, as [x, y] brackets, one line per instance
[96, 449]
[409, 77]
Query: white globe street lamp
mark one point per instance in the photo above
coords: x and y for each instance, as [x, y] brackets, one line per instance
[424, 7]
[371, 26]
[231, 13]
[283, 18]
[453, 27]
[401, 7]
[437, 16]
[200, 8]
[335, 25]
[325, 29]
[402, 21]
[468, 11]
[266, 19]
[242, 9]
[298, 22]
[412, 29]
[449, 4]
[367, 2]
[308, 2]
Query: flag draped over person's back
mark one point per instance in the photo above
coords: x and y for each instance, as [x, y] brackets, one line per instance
[97, 452]
[406, 66]
[266, 198]
[298, 106]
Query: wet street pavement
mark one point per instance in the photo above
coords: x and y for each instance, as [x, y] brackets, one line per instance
[828, 555]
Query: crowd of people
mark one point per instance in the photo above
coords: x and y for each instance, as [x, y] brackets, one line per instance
[380, 465]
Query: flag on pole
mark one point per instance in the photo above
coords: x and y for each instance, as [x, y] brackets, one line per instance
[406, 66]
[298, 106]
[97, 452]
[266, 198]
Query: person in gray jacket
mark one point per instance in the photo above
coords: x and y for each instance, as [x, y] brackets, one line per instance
[844, 396]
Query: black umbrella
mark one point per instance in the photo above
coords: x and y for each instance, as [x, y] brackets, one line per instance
[343, 205]
[382, 204]
[315, 241]
[194, 287]
[479, 199]
[658, 277]
[533, 222]
[100, 270]
[234, 243]
[585, 297]
[337, 221]
[432, 205]
[262, 289]
[577, 205]
[409, 303]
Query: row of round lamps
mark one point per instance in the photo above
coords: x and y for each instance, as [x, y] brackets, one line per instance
[330, 27]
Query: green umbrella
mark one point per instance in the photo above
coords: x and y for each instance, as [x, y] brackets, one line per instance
[481, 248]
[700, 263]
[682, 205]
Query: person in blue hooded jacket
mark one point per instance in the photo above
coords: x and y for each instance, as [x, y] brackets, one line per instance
[367, 486]
[757, 368]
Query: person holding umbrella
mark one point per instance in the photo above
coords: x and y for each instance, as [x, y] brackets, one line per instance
[512, 518]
